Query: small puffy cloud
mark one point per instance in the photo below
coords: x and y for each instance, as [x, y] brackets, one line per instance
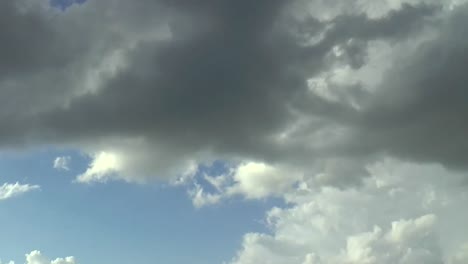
[259, 180]
[201, 198]
[252, 180]
[36, 257]
[9, 190]
[102, 167]
[136, 161]
[62, 163]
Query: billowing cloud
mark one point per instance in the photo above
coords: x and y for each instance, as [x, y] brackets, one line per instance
[9, 190]
[36, 257]
[252, 180]
[404, 213]
[102, 166]
[175, 83]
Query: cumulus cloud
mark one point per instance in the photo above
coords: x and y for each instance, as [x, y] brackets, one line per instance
[252, 180]
[9, 190]
[404, 213]
[102, 166]
[36, 257]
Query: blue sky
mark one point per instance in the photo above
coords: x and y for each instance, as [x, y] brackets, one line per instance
[64, 4]
[116, 222]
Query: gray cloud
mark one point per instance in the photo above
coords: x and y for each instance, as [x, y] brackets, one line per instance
[218, 79]
[420, 112]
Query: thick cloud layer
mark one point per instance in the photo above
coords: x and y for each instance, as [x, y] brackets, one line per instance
[179, 82]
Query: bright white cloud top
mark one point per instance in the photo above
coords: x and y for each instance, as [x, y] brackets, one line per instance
[36, 257]
[102, 166]
[403, 213]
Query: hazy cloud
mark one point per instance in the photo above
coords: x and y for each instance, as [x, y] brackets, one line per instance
[9, 190]
[62, 163]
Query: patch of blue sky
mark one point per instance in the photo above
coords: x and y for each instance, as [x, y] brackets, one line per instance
[117, 222]
[64, 4]
[216, 169]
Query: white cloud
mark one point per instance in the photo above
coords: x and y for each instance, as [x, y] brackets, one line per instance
[413, 244]
[252, 180]
[200, 198]
[259, 180]
[9, 190]
[102, 166]
[36, 257]
[135, 160]
[62, 163]
[403, 213]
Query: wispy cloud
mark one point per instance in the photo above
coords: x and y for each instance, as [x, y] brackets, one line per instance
[9, 190]
[62, 163]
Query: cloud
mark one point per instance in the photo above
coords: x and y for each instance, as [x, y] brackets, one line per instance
[103, 165]
[36, 257]
[375, 246]
[251, 180]
[62, 163]
[9, 190]
[403, 214]
[461, 256]
[178, 83]
[352, 112]
[200, 198]
[423, 120]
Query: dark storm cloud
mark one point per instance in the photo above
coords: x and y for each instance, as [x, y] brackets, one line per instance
[34, 58]
[28, 42]
[228, 78]
[421, 113]
[225, 79]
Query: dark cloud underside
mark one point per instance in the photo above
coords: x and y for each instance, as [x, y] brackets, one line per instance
[228, 78]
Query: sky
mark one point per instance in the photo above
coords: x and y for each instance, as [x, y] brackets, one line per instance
[233, 132]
